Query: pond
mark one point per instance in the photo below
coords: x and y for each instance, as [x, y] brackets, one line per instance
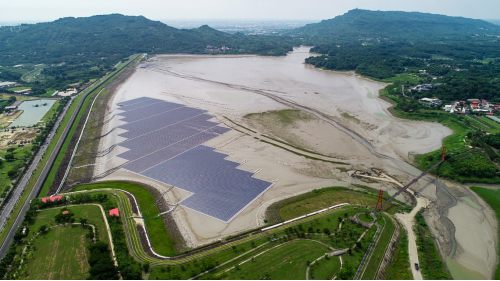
[33, 112]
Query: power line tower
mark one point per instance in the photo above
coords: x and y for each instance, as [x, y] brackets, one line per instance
[380, 200]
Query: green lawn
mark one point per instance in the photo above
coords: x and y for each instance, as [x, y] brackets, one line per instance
[324, 269]
[366, 218]
[89, 212]
[286, 262]
[492, 197]
[19, 88]
[399, 269]
[326, 197]
[158, 234]
[59, 254]
[379, 251]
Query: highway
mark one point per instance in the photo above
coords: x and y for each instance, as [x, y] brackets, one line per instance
[5, 213]
[16, 195]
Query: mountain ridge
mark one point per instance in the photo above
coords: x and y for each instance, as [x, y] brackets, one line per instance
[398, 25]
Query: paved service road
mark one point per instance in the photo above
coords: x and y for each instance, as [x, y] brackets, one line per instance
[408, 220]
[16, 195]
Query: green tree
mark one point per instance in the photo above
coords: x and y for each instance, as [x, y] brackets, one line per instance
[83, 221]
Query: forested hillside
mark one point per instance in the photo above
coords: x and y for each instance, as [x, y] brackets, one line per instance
[414, 48]
[394, 25]
[100, 36]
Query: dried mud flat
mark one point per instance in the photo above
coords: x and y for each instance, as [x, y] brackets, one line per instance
[347, 99]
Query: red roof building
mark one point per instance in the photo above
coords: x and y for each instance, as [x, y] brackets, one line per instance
[65, 212]
[52, 199]
[114, 212]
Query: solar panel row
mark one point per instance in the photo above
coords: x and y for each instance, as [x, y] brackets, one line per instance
[148, 111]
[220, 190]
[139, 104]
[159, 121]
[165, 144]
[129, 102]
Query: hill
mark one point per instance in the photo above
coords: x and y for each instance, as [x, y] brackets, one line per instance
[395, 25]
[115, 34]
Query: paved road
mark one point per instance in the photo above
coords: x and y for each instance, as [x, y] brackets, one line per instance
[16, 195]
[4, 214]
[408, 220]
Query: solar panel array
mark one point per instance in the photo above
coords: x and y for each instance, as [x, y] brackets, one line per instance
[164, 142]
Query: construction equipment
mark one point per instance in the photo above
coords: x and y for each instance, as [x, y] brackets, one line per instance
[443, 155]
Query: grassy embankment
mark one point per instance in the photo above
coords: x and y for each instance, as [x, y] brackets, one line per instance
[313, 229]
[66, 245]
[431, 265]
[286, 262]
[36, 174]
[86, 104]
[50, 113]
[322, 198]
[160, 240]
[492, 197]
[399, 269]
[379, 250]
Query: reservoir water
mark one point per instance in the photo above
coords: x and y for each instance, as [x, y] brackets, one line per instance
[32, 114]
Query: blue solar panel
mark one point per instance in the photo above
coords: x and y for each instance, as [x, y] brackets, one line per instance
[220, 190]
[159, 121]
[169, 152]
[165, 144]
[129, 102]
[139, 104]
[148, 111]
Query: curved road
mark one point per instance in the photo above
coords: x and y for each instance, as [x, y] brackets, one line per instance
[17, 193]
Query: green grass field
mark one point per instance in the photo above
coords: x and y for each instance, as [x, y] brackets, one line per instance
[400, 269]
[325, 269]
[89, 212]
[492, 197]
[19, 88]
[323, 198]
[59, 254]
[286, 262]
[159, 236]
[366, 218]
[66, 244]
[379, 251]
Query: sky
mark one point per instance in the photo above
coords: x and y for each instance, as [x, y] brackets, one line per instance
[30, 11]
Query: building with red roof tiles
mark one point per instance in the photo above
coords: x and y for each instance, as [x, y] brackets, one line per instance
[52, 199]
[65, 212]
[114, 212]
